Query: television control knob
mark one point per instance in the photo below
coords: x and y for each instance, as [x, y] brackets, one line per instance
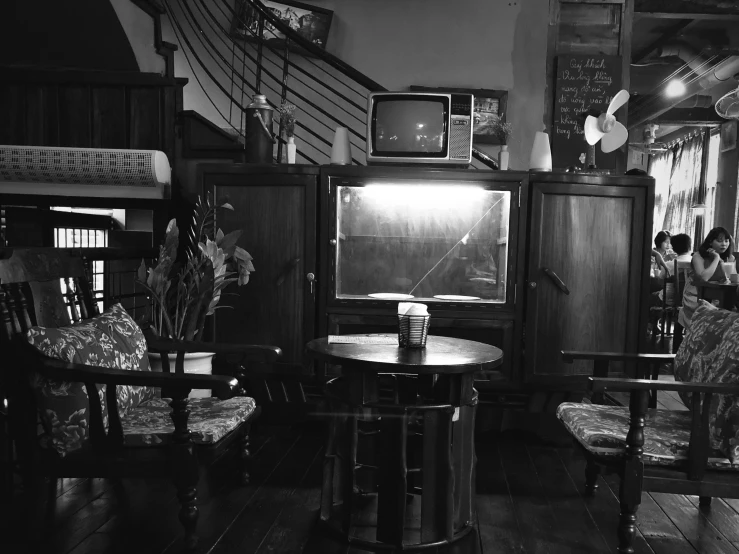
[532, 284]
[332, 242]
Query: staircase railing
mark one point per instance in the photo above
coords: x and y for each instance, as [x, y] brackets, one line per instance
[237, 51]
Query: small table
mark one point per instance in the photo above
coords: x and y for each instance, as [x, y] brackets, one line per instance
[725, 293]
[423, 459]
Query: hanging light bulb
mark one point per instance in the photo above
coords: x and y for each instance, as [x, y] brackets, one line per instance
[675, 88]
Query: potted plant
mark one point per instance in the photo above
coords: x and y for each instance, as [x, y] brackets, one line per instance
[502, 132]
[184, 292]
[287, 122]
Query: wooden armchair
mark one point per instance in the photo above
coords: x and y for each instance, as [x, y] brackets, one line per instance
[149, 439]
[651, 449]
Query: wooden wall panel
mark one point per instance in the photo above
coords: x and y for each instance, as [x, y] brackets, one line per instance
[42, 116]
[109, 117]
[145, 119]
[12, 109]
[74, 116]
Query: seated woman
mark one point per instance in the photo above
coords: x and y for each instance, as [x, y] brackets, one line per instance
[705, 266]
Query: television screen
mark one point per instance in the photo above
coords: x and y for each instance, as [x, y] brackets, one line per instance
[410, 126]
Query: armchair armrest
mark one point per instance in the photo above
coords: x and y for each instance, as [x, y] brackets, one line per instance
[601, 361]
[598, 384]
[572, 355]
[223, 387]
[253, 352]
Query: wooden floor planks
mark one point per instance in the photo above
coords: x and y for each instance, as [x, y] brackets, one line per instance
[530, 499]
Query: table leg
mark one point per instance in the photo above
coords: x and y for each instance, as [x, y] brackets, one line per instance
[393, 478]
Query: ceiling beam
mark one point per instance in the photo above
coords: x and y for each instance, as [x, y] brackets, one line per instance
[668, 35]
[702, 16]
[694, 117]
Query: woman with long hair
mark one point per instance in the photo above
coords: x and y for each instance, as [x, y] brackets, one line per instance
[706, 266]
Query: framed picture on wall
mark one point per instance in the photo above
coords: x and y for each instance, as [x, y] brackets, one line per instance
[311, 22]
[489, 105]
[728, 136]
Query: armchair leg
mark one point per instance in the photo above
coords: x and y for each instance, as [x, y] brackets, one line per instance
[185, 467]
[246, 457]
[592, 470]
[629, 498]
[704, 501]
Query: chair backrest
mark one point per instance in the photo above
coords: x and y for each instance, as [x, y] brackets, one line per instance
[681, 276]
[42, 286]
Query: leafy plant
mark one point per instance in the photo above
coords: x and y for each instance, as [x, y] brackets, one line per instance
[185, 292]
[502, 130]
[287, 118]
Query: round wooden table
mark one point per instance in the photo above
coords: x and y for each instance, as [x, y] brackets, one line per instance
[399, 470]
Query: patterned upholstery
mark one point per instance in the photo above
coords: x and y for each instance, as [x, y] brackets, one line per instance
[602, 431]
[114, 340]
[111, 340]
[210, 420]
[710, 354]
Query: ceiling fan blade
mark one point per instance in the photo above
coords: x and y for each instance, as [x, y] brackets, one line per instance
[619, 100]
[615, 139]
[592, 130]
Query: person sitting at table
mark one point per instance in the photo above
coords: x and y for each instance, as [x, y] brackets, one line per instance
[663, 245]
[706, 266]
[682, 245]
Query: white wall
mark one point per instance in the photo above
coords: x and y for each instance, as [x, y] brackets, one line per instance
[139, 28]
[492, 44]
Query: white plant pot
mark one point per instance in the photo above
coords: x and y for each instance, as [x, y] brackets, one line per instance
[195, 362]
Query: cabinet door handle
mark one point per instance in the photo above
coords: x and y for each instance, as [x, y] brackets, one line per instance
[312, 280]
[557, 281]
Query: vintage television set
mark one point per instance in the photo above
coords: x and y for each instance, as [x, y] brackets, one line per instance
[432, 128]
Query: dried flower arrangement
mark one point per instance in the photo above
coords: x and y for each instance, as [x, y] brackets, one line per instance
[502, 130]
[287, 118]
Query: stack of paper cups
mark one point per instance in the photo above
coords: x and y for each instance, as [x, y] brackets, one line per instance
[541, 154]
[341, 150]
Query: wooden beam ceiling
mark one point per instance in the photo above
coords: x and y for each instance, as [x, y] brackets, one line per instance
[670, 34]
[694, 117]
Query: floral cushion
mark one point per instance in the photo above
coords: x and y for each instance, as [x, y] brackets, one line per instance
[602, 430]
[710, 354]
[110, 340]
[210, 420]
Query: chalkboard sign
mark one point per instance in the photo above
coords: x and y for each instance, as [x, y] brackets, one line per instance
[584, 82]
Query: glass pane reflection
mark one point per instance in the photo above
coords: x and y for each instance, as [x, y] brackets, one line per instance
[422, 240]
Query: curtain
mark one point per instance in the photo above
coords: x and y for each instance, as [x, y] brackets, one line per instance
[684, 183]
[660, 167]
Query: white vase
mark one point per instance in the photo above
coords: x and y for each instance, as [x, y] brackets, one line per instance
[291, 150]
[195, 362]
[503, 157]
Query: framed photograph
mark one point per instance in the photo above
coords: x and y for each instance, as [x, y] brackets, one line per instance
[311, 22]
[728, 136]
[489, 105]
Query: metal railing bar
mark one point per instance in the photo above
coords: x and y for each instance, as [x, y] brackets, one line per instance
[225, 92]
[175, 27]
[296, 93]
[317, 51]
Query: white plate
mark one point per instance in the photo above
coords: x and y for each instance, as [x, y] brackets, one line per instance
[390, 296]
[455, 297]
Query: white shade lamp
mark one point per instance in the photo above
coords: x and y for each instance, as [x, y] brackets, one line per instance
[341, 149]
[541, 153]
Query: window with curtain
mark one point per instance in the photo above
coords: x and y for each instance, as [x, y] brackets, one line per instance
[711, 178]
[660, 167]
[682, 187]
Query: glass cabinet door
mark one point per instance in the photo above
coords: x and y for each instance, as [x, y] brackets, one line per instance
[441, 242]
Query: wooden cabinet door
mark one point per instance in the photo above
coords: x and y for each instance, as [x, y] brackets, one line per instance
[590, 240]
[277, 216]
